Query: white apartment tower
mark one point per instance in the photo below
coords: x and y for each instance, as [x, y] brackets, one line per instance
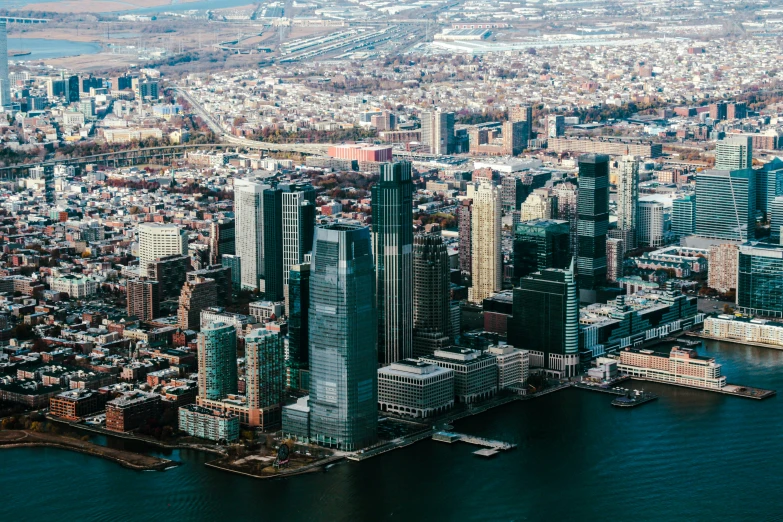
[487, 260]
[160, 240]
[628, 194]
[249, 239]
[651, 222]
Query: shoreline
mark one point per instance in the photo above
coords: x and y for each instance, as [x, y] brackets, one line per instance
[735, 341]
[126, 459]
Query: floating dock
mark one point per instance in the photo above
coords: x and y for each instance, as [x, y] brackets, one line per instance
[635, 400]
[491, 447]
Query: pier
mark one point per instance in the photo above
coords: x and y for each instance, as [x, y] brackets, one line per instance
[491, 447]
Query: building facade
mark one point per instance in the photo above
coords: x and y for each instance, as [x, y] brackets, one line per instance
[760, 279]
[628, 195]
[249, 241]
[726, 204]
[392, 241]
[431, 296]
[475, 372]
[416, 389]
[486, 257]
[160, 240]
[593, 220]
[217, 361]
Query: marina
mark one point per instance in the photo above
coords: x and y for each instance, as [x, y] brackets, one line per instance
[637, 398]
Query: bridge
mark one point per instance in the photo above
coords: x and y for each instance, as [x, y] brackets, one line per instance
[17, 20]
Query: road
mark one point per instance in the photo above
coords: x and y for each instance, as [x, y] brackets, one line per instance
[709, 306]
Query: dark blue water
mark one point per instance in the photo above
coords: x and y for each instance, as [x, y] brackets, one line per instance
[690, 455]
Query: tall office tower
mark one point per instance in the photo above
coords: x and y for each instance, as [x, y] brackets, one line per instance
[222, 276]
[221, 239]
[513, 192]
[722, 268]
[734, 153]
[158, 240]
[343, 338]
[235, 264]
[760, 279]
[515, 135]
[593, 221]
[143, 297]
[523, 113]
[217, 361]
[249, 212]
[298, 224]
[431, 299]
[264, 377]
[437, 131]
[726, 204]
[486, 255]
[540, 244]
[614, 259]
[170, 272]
[555, 124]
[546, 318]
[566, 210]
[392, 241]
[540, 204]
[628, 194]
[776, 220]
[465, 224]
[196, 295]
[289, 219]
[651, 222]
[737, 111]
[5, 84]
[297, 361]
[684, 216]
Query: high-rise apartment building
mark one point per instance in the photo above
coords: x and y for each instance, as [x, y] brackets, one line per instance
[614, 259]
[546, 319]
[289, 219]
[217, 361]
[249, 212]
[555, 124]
[773, 172]
[343, 338]
[628, 194]
[197, 294]
[722, 268]
[160, 240]
[5, 85]
[566, 210]
[437, 131]
[540, 244]
[143, 297]
[515, 136]
[392, 240]
[431, 299]
[593, 220]
[264, 377]
[486, 255]
[684, 216]
[465, 224]
[734, 153]
[235, 264]
[650, 228]
[523, 113]
[171, 273]
[540, 204]
[737, 111]
[221, 240]
[726, 204]
[760, 279]
[222, 276]
[297, 360]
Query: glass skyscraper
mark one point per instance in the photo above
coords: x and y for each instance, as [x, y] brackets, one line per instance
[684, 216]
[249, 239]
[392, 240]
[726, 204]
[592, 208]
[760, 279]
[545, 318]
[217, 361]
[5, 85]
[539, 244]
[264, 377]
[431, 299]
[298, 324]
[343, 338]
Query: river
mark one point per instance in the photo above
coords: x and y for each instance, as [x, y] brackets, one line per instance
[690, 455]
[44, 48]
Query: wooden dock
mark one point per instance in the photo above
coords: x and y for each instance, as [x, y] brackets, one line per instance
[491, 447]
